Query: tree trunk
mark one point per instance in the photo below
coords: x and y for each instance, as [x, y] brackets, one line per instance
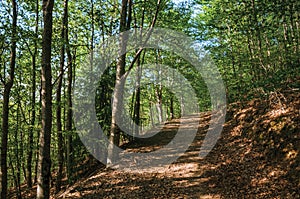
[33, 96]
[118, 92]
[44, 161]
[18, 188]
[158, 90]
[5, 109]
[159, 104]
[69, 126]
[285, 42]
[17, 154]
[172, 107]
[92, 35]
[182, 104]
[151, 114]
[298, 36]
[60, 157]
[257, 31]
[137, 103]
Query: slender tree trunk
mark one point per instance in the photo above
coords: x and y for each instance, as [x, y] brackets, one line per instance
[118, 92]
[44, 161]
[69, 124]
[5, 109]
[17, 154]
[5, 114]
[298, 36]
[182, 103]
[92, 34]
[251, 56]
[37, 143]
[291, 9]
[18, 193]
[158, 90]
[137, 104]
[132, 109]
[285, 42]
[151, 114]
[33, 101]
[159, 103]
[172, 107]
[60, 157]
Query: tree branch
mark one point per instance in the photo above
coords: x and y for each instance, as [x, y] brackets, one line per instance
[60, 74]
[138, 53]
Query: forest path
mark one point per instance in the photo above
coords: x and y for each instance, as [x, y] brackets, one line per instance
[241, 165]
[184, 178]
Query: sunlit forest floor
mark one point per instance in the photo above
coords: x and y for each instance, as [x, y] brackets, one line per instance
[257, 156]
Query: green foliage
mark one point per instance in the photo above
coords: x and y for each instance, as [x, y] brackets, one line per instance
[255, 45]
[253, 42]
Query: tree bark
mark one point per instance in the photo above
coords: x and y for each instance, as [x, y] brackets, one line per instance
[44, 160]
[69, 124]
[137, 103]
[60, 154]
[158, 89]
[118, 92]
[172, 108]
[18, 156]
[33, 96]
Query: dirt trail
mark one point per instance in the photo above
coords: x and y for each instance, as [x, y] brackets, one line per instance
[235, 168]
[181, 179]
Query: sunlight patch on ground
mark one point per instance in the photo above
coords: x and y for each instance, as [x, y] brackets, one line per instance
[210, 197]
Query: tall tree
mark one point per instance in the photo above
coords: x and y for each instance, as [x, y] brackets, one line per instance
[121, 75]
[44, 161]
[60, 157]
[8, 83]
[137, 103]
[69, 126]
[117, 96]
[159, 87]
[33, 99]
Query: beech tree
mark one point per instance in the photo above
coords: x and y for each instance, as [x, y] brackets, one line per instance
[117, 97]
[60, 154]
[44, 161]
[34, 55]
